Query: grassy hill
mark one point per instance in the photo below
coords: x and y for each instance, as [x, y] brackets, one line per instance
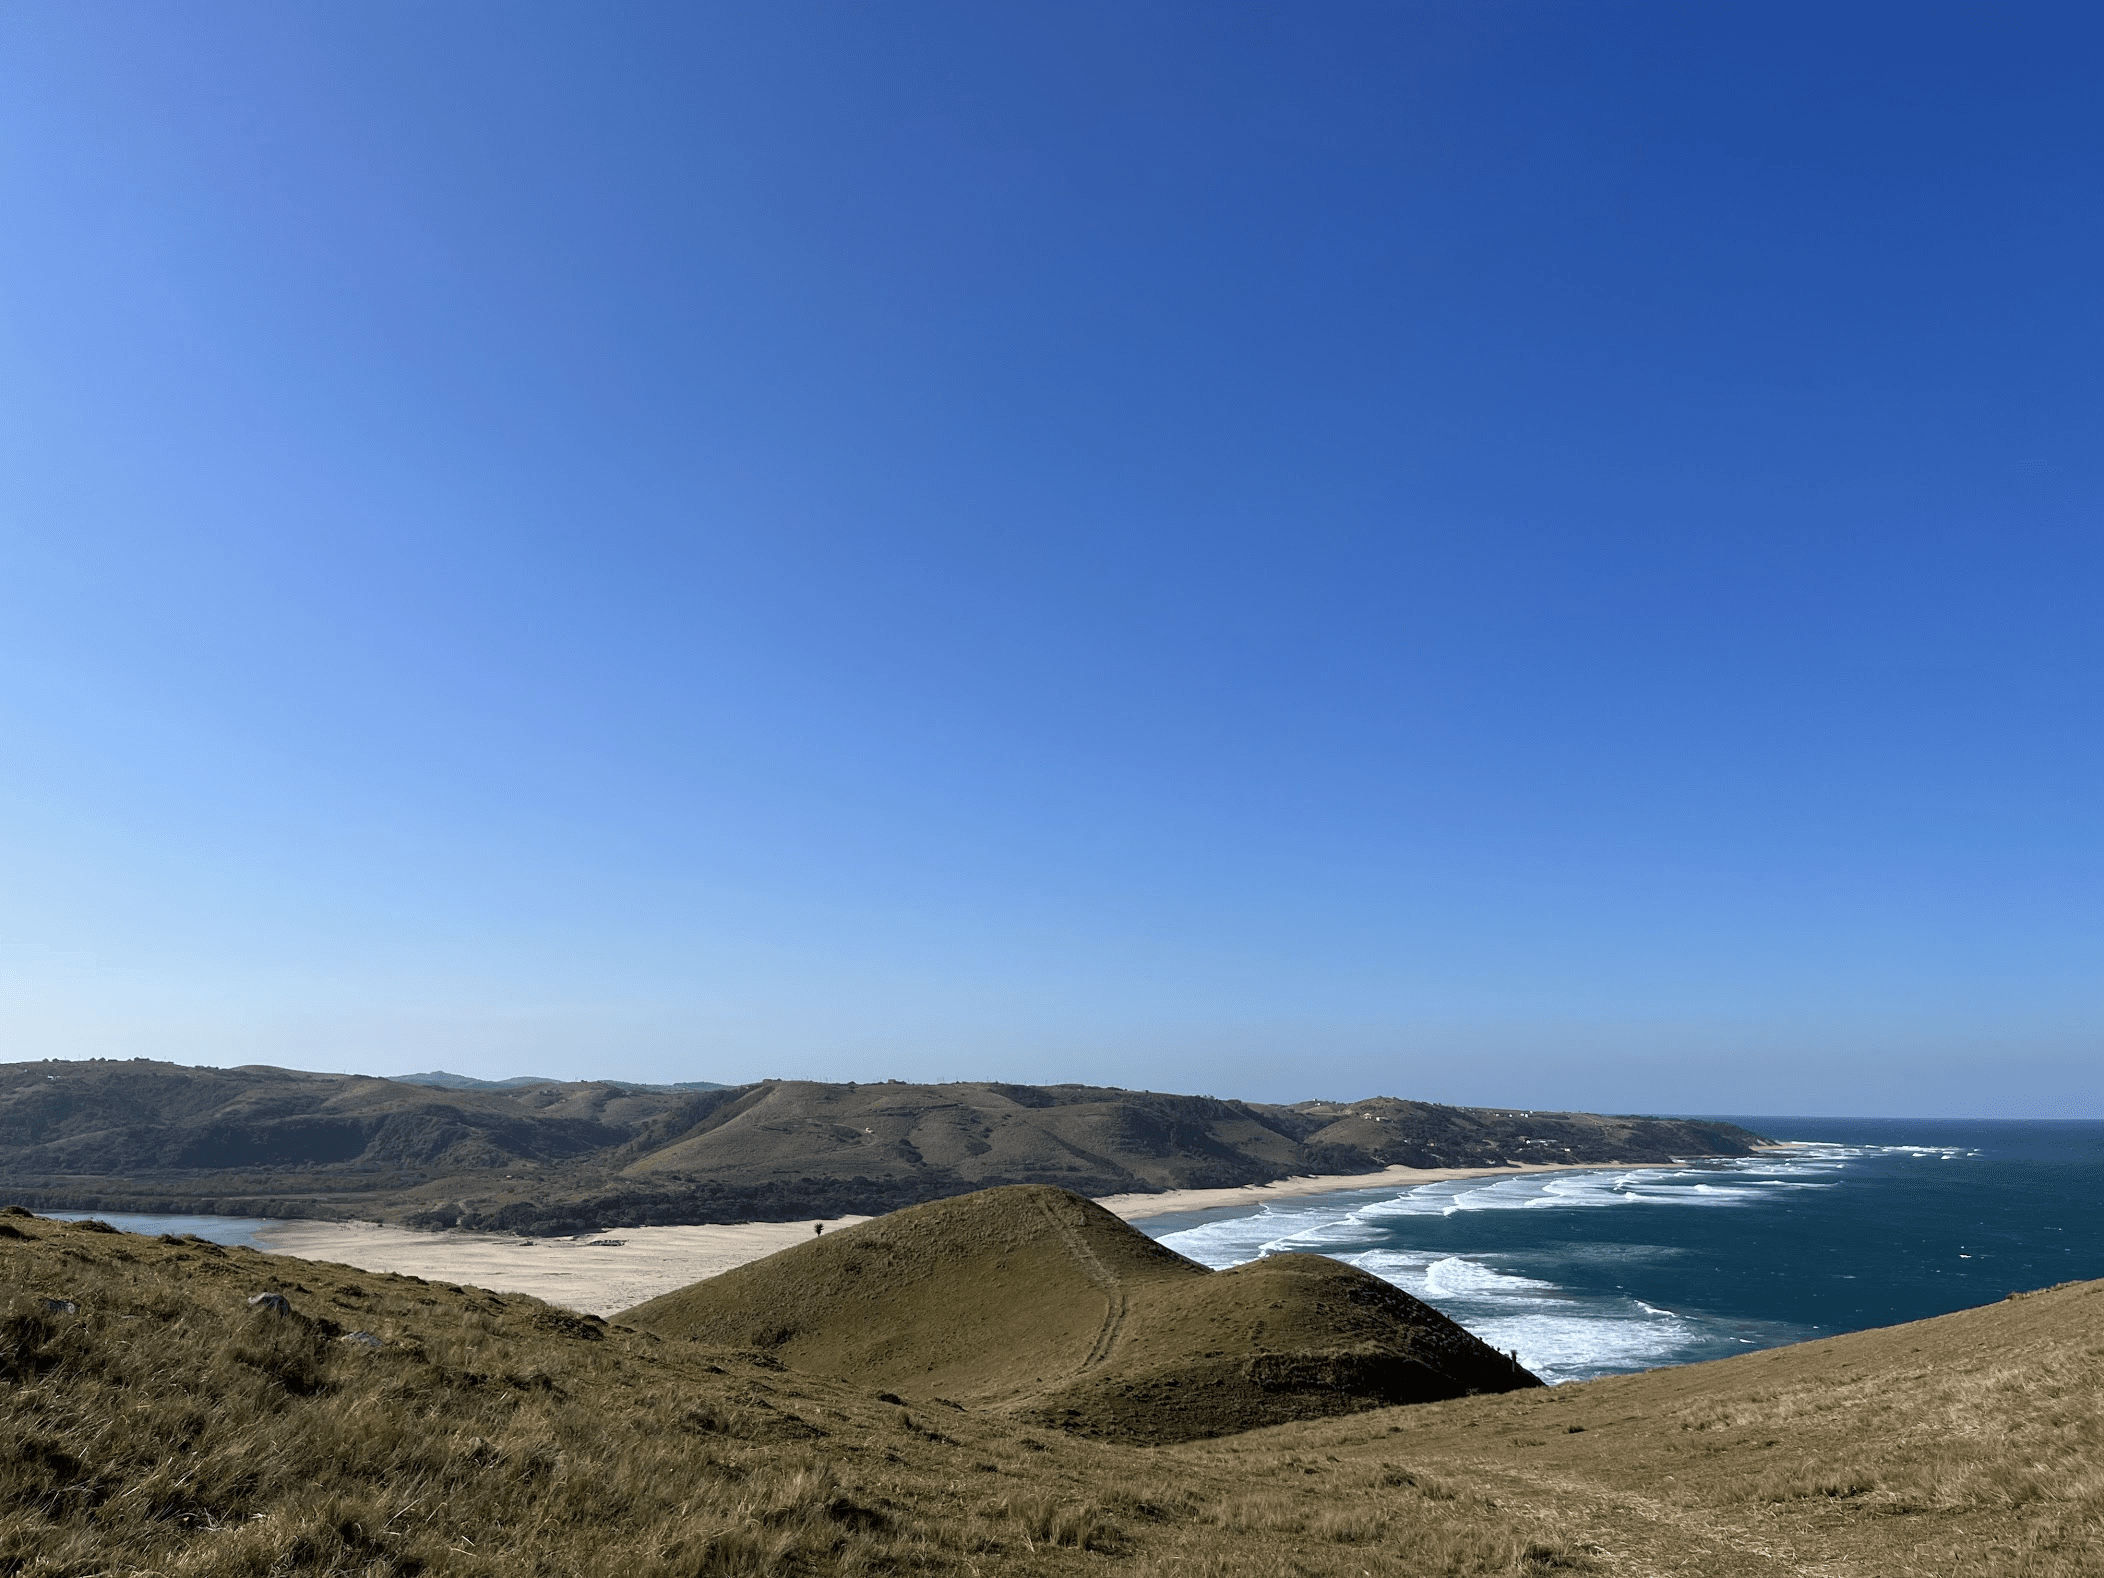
[153, 1420]
[1043, 1304]
[544, 1158]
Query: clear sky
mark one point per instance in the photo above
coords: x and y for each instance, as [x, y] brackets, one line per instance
[1538, 553]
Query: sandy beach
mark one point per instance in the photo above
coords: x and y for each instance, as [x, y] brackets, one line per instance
[602, 1273]
[599, 1273]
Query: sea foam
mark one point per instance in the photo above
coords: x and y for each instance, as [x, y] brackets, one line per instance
[1561, 1331]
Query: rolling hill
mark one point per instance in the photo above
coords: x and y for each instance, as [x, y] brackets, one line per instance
[567, 1157]
[1036, 1301]
[156, 1418]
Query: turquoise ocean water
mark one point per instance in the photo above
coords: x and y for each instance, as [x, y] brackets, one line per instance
[1865, 1222]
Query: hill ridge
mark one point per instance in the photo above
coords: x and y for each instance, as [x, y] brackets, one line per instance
[1033, 1300]
[568, 1157]
[440, 1079]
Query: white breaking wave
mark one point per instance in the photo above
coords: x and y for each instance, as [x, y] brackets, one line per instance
[1558, 1334]
[1452, 1277]
[1577, 1347]
[1558, 1337]
[1458, 1278]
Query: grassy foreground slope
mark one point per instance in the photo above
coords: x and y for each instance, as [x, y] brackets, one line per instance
[153, 1421]
[105, 1135]
[1968, 1444]
[1043, 1304]
[162, 1425]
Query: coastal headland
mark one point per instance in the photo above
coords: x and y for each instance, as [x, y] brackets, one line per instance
[556, 1160]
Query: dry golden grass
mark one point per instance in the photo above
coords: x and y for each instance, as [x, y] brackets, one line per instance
[164, 1427]
[1969, 1444]
[1038, 1301]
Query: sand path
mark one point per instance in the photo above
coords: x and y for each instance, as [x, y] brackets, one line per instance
[602, 1273]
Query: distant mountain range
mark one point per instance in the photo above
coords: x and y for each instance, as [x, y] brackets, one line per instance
[552, 1156]
[441, 1080]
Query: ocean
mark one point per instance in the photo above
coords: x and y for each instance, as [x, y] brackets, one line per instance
[1864, 1222]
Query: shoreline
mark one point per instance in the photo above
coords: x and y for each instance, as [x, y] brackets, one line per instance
[604, 1273]
[1176, 1202]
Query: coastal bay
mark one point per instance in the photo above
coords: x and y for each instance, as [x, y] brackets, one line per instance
[616, 1267]
[1586, 1270]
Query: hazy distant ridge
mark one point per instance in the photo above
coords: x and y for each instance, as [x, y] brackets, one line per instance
[557, 1157]
[444, 1081]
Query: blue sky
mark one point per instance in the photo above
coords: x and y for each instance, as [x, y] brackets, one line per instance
[1535, 553]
